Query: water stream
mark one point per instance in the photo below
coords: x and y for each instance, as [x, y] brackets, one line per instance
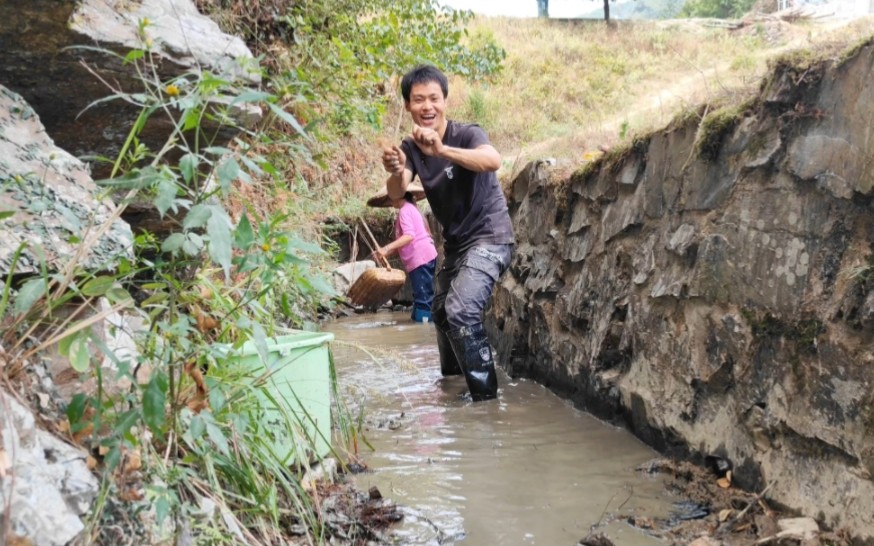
[527, 468]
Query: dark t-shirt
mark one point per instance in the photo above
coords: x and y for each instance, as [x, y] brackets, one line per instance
[470, 206]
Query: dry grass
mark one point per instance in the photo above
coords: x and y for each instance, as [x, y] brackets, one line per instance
[569, 88]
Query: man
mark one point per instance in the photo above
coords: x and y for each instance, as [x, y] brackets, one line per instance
[456, 165]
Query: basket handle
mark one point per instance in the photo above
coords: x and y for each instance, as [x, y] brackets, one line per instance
[375, 245]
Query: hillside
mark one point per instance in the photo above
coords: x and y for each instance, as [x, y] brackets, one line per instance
[568, 89]
[573, 87]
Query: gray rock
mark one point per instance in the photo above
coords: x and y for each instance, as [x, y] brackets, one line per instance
[178, 32]
[57, 206]
[52, 487]
[60, 79]
[798, 528]
[681, 239]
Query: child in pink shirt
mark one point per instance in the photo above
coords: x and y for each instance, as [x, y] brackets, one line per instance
[414, 245]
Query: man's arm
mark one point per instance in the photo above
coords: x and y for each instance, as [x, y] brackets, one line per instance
[480, 159]
[396, 185]
[394, 161]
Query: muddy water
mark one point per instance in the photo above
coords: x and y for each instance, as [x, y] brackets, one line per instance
[527, 468]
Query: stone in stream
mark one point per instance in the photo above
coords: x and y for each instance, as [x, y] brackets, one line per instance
[595, 539]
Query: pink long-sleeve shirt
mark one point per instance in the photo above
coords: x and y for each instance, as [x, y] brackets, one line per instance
[421, 249]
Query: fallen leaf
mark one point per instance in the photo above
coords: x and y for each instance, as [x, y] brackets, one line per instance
[725, 514]
[90, 462]
[133, 462]
[725, 481]
[131, 495]
[83, 433]
[205, 323]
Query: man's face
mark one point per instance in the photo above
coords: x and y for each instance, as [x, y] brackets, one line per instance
[427, 106]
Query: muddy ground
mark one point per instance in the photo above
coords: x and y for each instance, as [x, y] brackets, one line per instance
[715, 513]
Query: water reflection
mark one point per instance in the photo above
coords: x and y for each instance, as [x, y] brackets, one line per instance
[526, 468]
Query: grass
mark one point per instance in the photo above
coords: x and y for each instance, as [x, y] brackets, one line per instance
[568, 88]
[570, 81]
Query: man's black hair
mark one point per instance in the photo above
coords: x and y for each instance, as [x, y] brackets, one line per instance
[408, 197]
[424, 73]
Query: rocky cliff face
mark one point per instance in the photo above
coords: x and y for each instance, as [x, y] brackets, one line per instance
[710, 286]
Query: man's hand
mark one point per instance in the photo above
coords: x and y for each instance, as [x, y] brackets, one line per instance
[428, 140]
[393, 160]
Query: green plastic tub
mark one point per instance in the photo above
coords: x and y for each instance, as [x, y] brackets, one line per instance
[296, 390]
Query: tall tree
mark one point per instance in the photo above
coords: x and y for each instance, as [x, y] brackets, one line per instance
[543, 8]
[607, 10]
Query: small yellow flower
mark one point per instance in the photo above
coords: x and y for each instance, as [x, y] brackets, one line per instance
[146, 21]
[265, 247]
[172, 90]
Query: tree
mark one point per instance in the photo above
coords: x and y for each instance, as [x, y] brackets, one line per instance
[543, 8]
[607, 10]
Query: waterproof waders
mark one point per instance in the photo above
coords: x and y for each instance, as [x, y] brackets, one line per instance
[448, 361]
[475, 356]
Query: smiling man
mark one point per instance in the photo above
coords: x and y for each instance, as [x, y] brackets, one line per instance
[456, 164]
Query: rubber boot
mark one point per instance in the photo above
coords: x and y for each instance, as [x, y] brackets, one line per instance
[421, 315]
[448, 361]
[475, 355]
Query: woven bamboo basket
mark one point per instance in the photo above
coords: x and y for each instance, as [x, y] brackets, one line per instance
[378, 285]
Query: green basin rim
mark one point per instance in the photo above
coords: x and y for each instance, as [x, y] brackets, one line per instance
[284, 343]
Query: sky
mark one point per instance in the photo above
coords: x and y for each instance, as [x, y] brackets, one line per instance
[523, 8]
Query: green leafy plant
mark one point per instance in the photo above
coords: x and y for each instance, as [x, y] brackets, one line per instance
[220, 278]
[343, 54]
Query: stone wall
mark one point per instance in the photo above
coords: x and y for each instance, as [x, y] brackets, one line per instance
[707, 286]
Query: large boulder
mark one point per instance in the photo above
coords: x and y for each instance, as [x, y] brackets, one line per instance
[41, 60]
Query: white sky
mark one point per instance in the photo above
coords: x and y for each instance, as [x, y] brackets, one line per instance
[524, 8]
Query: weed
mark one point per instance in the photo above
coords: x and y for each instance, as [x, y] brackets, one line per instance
[714, 128]
[214, 282]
